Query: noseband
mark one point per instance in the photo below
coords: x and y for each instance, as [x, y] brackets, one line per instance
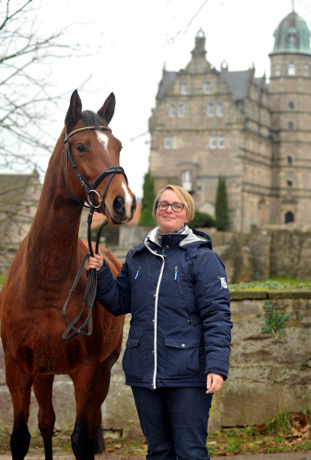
[90, 188]
[91, 285]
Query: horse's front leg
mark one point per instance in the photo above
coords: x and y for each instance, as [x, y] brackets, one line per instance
[43, 386]
[19, 383]
[83, 439]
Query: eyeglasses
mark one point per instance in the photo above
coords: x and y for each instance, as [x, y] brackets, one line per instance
[176, 207]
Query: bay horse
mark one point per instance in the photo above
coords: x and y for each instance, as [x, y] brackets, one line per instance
[39, 280]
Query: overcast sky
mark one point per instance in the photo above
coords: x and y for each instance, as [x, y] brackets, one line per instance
[139, 37]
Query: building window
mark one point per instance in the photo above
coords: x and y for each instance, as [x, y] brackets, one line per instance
[184, 88]
[290, 125]
[181, 110]
[289, 183]
[220, 109]
[306, 70]
[291, 105]
[289, 217]
[277, 70]
[212, 142]
[207, 87]
[221, 141]
[170, 142]
[210, 110]
[186, 182]
[167, 142]
[171, 110]
[289, 160]
[291, 69]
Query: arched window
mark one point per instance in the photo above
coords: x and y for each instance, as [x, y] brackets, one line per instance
[291, 69]
[289, 217]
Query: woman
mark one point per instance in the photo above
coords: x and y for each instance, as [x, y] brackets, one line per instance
[177, 352]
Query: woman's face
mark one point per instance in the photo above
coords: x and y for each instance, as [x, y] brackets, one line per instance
[169, 220]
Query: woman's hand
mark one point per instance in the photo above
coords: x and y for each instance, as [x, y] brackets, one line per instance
[94, 262]
[214, 383]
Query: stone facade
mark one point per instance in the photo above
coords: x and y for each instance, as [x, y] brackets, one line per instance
[20, 194]
[208, 122]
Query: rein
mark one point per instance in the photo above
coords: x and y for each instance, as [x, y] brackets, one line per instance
[91, 285]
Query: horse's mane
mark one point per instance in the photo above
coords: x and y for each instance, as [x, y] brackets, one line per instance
[91, 118]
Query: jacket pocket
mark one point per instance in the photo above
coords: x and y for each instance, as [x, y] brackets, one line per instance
[182, 356]
[131, 357]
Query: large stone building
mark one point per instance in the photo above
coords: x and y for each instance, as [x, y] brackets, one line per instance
[209, 122]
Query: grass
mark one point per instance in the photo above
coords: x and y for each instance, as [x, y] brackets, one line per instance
[286, 432]
[271, 283]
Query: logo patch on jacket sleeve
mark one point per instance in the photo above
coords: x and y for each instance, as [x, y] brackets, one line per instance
[223, 282]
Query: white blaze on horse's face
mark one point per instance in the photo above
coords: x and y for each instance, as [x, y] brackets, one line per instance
[103, 139]
[128, 201]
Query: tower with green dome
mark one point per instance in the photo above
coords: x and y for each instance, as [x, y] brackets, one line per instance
[290, 108]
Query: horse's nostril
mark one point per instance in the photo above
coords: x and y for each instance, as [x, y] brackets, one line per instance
[119, 204]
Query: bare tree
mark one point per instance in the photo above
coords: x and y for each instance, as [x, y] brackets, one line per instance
[27, 102]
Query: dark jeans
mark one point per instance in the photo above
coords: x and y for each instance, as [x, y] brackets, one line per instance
[174, 422]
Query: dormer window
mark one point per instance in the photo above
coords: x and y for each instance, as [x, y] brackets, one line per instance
[184, 88]
[291, 69]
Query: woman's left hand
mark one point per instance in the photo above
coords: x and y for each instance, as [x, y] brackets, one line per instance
[214, 383]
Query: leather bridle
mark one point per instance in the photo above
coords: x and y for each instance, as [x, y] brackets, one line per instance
[91, 285]
[90, 188]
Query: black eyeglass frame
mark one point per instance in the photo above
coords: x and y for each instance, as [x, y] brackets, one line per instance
[170, 204]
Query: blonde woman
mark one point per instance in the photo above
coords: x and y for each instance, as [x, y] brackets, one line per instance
[177, 352]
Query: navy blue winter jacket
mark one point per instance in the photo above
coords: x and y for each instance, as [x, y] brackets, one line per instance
[178, 296]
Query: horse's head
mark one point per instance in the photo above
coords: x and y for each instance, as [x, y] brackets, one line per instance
[94, 152]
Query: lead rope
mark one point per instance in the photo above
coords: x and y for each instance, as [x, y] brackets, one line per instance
[90, 289]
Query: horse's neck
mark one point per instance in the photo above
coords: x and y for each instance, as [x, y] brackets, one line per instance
[56, 223]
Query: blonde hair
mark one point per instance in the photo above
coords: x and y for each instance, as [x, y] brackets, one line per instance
[184, 197]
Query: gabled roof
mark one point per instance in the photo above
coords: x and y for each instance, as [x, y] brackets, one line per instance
[167, 79]
[238, 82]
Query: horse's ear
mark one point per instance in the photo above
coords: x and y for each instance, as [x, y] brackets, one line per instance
[74, 111]
[107, 110]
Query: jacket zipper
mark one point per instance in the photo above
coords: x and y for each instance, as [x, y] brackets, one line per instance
[177, 278]
[138, 272]
[156, 303]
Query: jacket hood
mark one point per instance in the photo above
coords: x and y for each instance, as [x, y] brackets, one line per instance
[190, 237]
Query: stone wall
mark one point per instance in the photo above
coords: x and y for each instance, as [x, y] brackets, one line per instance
[265, 374]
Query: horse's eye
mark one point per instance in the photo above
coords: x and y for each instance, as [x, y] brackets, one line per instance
[81, 148]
